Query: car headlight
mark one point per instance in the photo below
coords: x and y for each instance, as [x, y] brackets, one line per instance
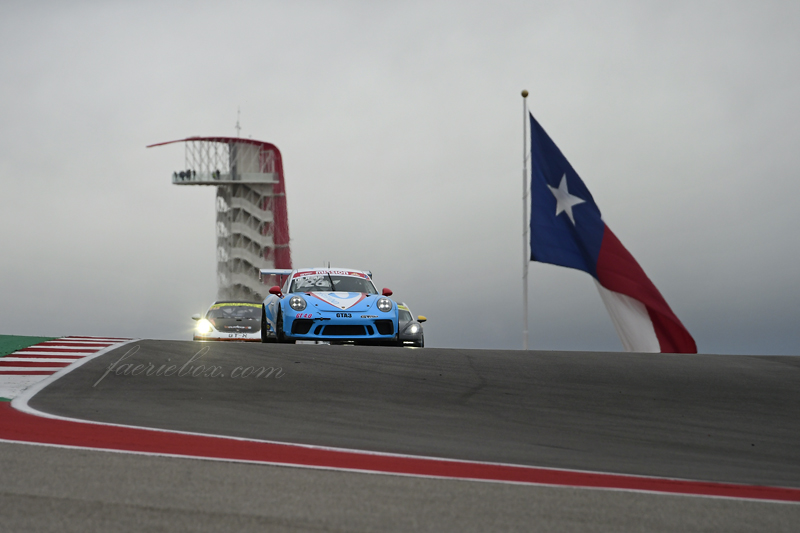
[385, 305]
[203, 326]
[413, 329]
[297, 303]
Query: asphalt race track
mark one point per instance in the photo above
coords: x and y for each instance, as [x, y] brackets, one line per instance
[727, 419]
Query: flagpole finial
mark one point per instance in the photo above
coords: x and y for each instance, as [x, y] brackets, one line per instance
[524, 94]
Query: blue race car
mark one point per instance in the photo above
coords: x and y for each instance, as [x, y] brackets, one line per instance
[324, 304]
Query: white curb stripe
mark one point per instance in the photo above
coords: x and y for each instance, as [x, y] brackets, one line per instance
[37, 360]
[70, 354]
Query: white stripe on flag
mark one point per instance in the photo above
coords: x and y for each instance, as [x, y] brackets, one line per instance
[631, 320]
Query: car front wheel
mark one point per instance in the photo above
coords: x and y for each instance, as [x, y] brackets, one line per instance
[264, 335]
[281, 337]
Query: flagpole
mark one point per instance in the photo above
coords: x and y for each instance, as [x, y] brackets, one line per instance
[525, 222]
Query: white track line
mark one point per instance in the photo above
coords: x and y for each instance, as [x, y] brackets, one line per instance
[20, 403]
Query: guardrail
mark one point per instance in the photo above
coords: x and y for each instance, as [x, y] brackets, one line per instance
[192, 177]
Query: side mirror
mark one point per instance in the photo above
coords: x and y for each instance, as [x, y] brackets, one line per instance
[196, 316]
[276, 291]
[386, 292]
[421, 319]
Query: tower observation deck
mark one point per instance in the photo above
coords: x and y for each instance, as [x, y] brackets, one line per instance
[252, 222]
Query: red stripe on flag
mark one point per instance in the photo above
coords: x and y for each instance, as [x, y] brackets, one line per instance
[618, 271]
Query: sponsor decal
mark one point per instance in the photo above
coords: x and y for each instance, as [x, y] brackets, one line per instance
[307, 283]
[303, 315]
[344, 315]
[325, 272]
[369, 316]
[341, 300]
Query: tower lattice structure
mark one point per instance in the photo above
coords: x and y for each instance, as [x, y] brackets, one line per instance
[252, 224]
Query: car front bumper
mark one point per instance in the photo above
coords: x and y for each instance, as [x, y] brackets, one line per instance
[229, 337]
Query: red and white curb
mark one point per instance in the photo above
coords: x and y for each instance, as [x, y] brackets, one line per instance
[19, 422]
[28, 366]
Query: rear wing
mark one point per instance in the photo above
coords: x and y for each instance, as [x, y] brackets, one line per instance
[274, 272]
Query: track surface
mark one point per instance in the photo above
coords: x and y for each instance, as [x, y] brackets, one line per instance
[84, 491]
[711, 418]
[714, 418]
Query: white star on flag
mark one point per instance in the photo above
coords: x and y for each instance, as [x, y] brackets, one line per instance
[564, 200]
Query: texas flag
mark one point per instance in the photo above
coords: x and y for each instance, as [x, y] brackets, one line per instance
[568, 230]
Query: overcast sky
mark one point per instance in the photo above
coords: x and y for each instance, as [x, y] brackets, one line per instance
[400, 126]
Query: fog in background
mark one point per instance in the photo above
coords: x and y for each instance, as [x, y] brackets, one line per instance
[400, 126]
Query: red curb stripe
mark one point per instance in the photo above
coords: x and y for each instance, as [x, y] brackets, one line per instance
[45, 356]
[48, 357]
[82, 351]
[62, 348]
[79, 341]
[77, 344]
[94, 339]
[31, 363]
[18, 426]
[27, 372]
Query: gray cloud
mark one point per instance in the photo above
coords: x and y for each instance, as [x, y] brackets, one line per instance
[400, 128]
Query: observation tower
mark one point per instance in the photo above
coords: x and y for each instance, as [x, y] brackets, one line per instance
[252, 222]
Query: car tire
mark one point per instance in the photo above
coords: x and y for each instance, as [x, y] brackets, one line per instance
[265, 338]
[279, 335]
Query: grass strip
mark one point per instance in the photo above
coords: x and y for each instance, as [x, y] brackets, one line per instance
[12, 343]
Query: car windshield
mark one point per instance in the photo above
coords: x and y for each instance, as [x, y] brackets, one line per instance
[404, 316]
[332, 283]
[233, 310]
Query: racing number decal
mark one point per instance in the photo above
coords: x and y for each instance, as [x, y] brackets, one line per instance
[344, 315]
[307, 282]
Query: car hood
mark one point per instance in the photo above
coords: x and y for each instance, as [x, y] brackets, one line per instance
[232, 325]
[339, 301]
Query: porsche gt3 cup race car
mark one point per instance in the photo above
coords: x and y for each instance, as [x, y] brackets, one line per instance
[233, 320]
[332, 305]
[410, 328]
